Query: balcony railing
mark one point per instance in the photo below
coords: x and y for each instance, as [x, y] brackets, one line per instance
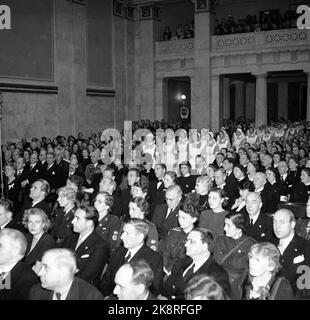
[174, 48]
[236, 42]
[261, 40]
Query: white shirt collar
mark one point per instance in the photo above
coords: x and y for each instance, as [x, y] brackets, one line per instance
[283, 243]
[85, 236]
[254, 217]
[35, 203]
[198, 265]
[5, 224]
[134, 251]
[7, 268]
[64, 292]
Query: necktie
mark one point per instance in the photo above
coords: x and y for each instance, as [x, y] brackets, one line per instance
[58, 295]
[282, 180]
[79, 242]
[127, 257]
[251, 222]
[189, 273]
[168, 213]
[159, 183]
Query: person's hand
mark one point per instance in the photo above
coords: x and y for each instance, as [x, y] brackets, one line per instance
[160, 297]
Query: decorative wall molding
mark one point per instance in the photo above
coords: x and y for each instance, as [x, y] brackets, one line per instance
[80, 2]
[100, 92]
[149, 10]
[204, 5]
[125, 9]
[260, 40]
[174, 48]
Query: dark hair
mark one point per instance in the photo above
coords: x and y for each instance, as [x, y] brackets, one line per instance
[206, 237]
[142, 204]
[246, 185]
[222, 194]
[143, 185]
[108, 199]
[136, 171]
[230, 160]
[173, 175]
[163, 166]
[238, 220]
[91, 213]
[307, 171]
[77, 179]
[45, 186]
[190, 205]
[7, 205]
[275, 172]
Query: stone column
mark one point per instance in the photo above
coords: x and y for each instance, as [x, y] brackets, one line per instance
[239, 99]
[250, 100]
[201, 82]
[261, 99]
[282, 99]
[308, 96]
[226, 98]
[145, 55]
[215, 103]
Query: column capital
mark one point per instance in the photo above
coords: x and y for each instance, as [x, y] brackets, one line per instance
[260, 75]
[149, 10]
[204, 5]
[124, 9]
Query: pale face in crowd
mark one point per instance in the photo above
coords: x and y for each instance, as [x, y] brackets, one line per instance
[8, 250]
[259, 265]
[79, 222]
[131, 238]
[100, 204]
[132, 178]
[135, 211]
[35, 190]
[63, 199]
[186, 220]
[194, 245]
[304, 178]
[172, 198]
[168, 181]
[230, 229]
[215, 200]
[201, 187]
[52, 276]
[159, 172]
[184, 169]
[125, 289]
[5, 216]
[219, 178]
[137, 192]
[35, 224]
[259, 180]
[9, 171]
[282, 225]
[253, 204]
[282, 168]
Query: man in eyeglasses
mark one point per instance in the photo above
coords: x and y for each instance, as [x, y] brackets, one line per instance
[165, 216]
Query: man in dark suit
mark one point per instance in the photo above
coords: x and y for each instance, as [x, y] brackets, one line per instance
[186, 181]
[6, 216]
[157, 188]
[94, 167]
[58, 282]
[268, 195]
[62, 168]
[133, 236]
[16, 278]
[92, 252]
[258, 225]
[231, 190]
[199, 246]
[200, 168]
[133, 280]
[22, 174]
[43, 163]
[165, 216]
[50, 173]
[34, 169]
[301, 191]
[295, 251]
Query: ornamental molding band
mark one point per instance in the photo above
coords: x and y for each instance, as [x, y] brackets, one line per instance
[174, 49]
[260, 40]
[204, 5]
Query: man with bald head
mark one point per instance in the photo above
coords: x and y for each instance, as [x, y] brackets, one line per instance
[16, 278]
[58, 282]
[295, 251]
[268, 195]
[258, 224]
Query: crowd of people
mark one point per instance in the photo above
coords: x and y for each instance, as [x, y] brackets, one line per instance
[173, 214]
[186, 31]
[252, 23]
